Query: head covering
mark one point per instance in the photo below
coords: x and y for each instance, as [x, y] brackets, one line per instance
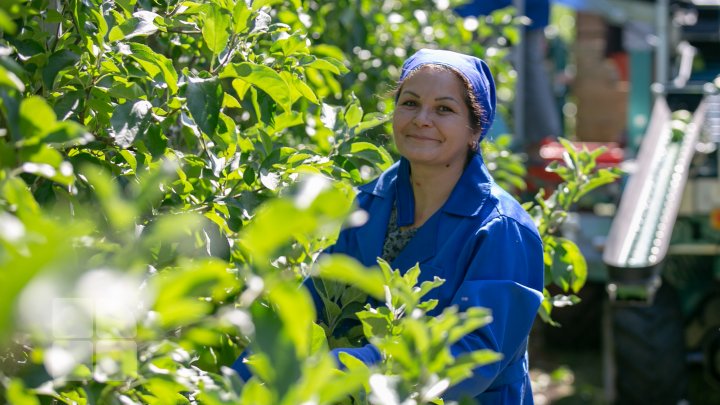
[475, 70]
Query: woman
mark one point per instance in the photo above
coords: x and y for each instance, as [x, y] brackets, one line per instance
[439, 207]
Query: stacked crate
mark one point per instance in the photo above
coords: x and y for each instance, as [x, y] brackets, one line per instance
[599, 89]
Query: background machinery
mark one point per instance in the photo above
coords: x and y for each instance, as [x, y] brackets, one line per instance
[659, 255]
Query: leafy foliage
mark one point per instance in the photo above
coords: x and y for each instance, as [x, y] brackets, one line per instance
[565, 265]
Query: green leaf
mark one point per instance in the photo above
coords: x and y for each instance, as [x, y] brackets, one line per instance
[35, 116]
[205, 98]
[10, 109]
[9, 79]
[326, 63]
[17, 194]
[44, 161]
[6, 23]
[370, 120]
[297, 311]
[377, 324]
[256, 392]
[346, 269]
[323, 64]
[275, 224]
[154, 63]
[276, 361]
[241, 17]
[67, 133]
[18, 394]
[569, 265]
[185, 294]
[474, 318]
[140, 25]
[477, 358]
[216, 23]
[258, 4]
[353, 114]
[305, 90]
[119, 212]
[129, 121]
[369, 152]
[58, 61]
[411, 275]
[62, 175]
[262, 77]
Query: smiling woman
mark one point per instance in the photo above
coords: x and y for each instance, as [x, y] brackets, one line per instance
[440, 207]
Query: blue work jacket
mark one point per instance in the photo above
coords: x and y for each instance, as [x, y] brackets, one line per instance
[486, 247]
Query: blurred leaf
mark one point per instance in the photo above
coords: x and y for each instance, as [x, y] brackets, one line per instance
[353, 114]
[258, 4]
[569, 265]
[185, 295]
[241, 16]
[345, 269]
[474, 318]
[129, 121]
[155, 63]
[274, 225]
[278, 365]
[58, 61]
[9, 79]
[18, 195]
[119, 212]
[297, 311]
[35, 116]
[67, 133]
[377, 324]
[204, 101]
[17, 393]
[140, 25]
[305, 90]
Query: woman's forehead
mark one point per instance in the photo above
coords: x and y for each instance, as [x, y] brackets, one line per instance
[435, 81]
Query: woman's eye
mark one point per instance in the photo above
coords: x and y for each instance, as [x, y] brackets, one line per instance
[409, 103]
[443, 108]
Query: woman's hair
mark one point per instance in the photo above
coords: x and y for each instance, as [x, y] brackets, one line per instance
[477, 115]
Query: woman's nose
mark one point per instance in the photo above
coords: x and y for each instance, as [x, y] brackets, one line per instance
[422, 118]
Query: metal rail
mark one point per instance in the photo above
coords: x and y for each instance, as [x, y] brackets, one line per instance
[640, 233]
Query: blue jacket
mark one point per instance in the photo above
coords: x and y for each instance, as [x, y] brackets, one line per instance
[486, 247]
[537, 10]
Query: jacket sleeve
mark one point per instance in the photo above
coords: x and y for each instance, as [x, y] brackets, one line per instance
[505, 275]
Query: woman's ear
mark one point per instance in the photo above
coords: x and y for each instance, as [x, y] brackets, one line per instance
[474, 142]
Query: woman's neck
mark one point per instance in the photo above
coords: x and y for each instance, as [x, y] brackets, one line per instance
[432, 186]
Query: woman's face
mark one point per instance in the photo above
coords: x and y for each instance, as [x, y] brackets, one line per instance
[431, 119]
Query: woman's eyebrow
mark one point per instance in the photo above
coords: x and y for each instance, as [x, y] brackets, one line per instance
[443, 98]
[451, 98]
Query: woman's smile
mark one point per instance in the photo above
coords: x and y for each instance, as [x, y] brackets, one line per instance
[423, 138]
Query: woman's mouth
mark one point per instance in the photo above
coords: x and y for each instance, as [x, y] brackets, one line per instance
[422, 138]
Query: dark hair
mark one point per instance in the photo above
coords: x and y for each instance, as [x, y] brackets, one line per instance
[477, 115]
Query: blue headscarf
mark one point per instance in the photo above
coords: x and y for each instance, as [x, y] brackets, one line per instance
[475, 70]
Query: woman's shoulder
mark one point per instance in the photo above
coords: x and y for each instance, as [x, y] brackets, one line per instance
[506, 207]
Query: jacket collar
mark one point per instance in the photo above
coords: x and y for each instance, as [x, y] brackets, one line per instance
[466, 199]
